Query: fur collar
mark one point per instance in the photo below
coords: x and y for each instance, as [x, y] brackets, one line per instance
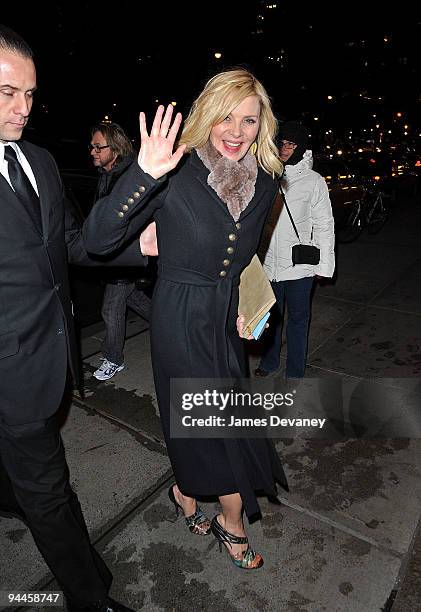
[234, 182]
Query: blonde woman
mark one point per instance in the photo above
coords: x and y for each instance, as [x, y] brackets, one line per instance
[210, 198]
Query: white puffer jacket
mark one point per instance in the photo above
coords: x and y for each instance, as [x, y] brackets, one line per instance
[308, 200]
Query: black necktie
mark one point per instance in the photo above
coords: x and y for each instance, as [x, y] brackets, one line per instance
[22, 185]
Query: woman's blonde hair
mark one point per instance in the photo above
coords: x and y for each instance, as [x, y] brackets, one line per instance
[222, 93]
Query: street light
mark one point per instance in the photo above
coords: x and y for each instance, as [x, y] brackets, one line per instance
[218, 55]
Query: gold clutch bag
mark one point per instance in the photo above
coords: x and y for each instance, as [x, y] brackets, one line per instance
[256, 298]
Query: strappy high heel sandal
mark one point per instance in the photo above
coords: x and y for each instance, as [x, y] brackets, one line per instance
[248, 560]
[198, 523]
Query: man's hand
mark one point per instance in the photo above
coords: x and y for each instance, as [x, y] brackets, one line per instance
[148, 240]
[156, 155]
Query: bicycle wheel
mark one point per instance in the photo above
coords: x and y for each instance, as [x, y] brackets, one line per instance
[378, 215]
[352, 227]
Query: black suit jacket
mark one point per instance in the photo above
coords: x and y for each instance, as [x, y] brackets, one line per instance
[37, 340]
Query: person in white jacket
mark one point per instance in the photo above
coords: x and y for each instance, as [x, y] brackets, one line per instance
[307, 196]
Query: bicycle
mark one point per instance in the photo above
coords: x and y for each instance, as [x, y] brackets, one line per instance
[370, 212]
[378, 211]
[351, 226]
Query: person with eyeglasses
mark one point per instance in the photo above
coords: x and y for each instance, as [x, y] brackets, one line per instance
[112, 153]
[307, 197]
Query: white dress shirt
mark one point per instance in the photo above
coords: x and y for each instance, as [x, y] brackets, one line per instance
[21, 159]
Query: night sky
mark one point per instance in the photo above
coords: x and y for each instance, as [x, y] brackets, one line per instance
[89, 59]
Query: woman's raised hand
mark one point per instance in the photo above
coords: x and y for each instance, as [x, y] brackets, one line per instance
[156, 155]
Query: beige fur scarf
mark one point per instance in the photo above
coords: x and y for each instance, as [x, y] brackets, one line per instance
[233, 181]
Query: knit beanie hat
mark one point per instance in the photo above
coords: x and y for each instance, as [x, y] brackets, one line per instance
[294, 131]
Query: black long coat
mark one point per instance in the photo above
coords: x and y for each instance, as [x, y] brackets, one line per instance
[202, 252]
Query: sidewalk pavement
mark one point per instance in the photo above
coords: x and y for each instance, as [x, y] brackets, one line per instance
[346, 537]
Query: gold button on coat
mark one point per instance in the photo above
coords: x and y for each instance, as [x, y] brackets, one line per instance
[230, 250]
[222, 273]
[130, 201]
[121, 214]
[136, 195]
[238, 225]
[226, 262]
[232, 237]
[142, 188]
[125, 207]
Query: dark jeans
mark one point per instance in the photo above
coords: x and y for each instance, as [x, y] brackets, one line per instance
[34, 478]
[114, 306]
[296, 293]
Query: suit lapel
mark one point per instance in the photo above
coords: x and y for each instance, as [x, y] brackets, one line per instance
[27, 215]
[202, 174]
[260, 191]
[40, 177]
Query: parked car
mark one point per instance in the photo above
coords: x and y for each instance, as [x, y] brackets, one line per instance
[396, 173]
[346, 191]
[406, 177]
[87, 288]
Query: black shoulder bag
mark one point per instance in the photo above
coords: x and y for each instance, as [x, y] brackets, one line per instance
[301, 253]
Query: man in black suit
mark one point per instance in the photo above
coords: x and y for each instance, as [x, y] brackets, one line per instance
[38, 235]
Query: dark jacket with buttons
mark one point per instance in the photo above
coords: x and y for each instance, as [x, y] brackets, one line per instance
[202, 252]
[36, 324]
[107, 180]
[196, 233]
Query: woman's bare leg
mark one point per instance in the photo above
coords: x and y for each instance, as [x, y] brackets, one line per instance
[187, 503]
[197, 522]
[231, 520]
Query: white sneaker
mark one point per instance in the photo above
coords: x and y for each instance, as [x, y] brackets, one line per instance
[107, 370]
